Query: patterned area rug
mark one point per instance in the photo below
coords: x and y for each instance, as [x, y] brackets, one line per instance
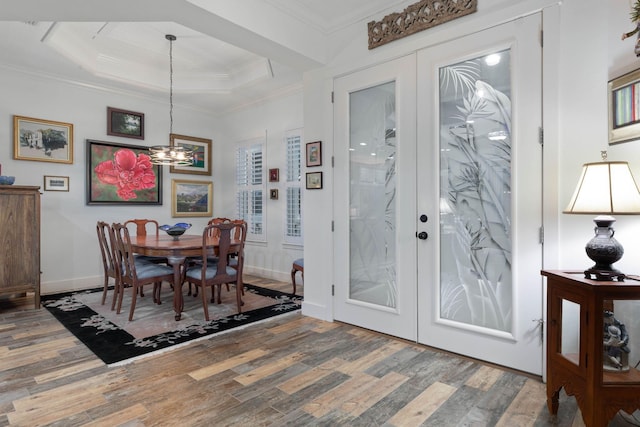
[115, 340]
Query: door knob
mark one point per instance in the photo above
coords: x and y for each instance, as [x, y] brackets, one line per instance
[423, 218]
[423, 235]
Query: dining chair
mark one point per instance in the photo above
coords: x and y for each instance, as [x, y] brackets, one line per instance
[141, 226]
[212, 275]
[232, 257]
[137, 273]
[192, 261]
[108, 261]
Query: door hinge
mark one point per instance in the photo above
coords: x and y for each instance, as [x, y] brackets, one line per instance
[333, 290]
[541, 135]
[333, 161]
[541, 233]
[332, 97]
[333, 224]
[541, 38]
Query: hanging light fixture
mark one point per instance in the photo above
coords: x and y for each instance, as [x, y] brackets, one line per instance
[171, 155]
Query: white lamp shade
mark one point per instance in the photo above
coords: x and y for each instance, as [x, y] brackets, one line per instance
[605, 188]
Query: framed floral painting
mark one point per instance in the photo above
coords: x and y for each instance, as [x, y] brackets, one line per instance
[121, 174]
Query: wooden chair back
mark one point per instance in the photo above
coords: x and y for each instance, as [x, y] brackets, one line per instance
[141, 226]
[125, 257]
[110, 267]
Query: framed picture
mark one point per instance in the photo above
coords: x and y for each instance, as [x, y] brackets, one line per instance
[201, 154]
[274, 175]
[191, 198]
[314, 153]
[624, 108]
[273, 194]
[56, 183]
[121, 174]
[314, 180]
[42, 140]
[128, 124]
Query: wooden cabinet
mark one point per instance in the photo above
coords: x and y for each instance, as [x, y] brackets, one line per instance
[578, 357]
[20, 240]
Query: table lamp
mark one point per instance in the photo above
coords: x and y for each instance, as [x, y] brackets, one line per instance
[604, 189]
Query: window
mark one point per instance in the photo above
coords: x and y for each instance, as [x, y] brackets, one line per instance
[250, 187]
[293, 226]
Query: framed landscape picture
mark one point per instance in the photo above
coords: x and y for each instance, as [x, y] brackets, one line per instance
[191, 198]
[121, 174]
[201, 154]
[128, 124]
[42, 140]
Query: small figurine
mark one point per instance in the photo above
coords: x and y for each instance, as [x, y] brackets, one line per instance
[635, 18]
[615, 342]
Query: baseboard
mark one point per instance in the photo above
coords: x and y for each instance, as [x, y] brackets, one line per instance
[315, 311]
[269, 274]
[69, 285]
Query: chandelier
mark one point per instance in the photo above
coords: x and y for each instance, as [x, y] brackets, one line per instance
[171, 155]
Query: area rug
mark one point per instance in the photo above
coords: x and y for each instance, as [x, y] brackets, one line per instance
[116, 340]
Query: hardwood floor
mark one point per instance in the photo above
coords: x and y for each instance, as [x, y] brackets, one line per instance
[292, 371]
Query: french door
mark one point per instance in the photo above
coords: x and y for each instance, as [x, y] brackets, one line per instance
[438, 196]
[480, 185]
[374, 196]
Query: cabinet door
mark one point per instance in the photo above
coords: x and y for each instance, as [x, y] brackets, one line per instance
[19, 226]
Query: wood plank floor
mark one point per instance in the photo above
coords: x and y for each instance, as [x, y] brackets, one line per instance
[292, 371]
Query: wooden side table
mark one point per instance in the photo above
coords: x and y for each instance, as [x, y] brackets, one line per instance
[576, 361]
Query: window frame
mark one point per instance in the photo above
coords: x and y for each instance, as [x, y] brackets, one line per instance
[248, 186]
[292, 185]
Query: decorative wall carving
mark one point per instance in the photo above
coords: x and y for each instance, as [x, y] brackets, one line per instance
[417, 17]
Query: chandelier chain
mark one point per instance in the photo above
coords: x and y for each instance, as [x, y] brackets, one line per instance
[170, 85]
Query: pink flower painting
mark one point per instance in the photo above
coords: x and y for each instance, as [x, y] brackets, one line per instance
[123, 174]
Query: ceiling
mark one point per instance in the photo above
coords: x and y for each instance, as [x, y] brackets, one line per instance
[228, 53]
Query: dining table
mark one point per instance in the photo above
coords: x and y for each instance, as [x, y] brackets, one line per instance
[176, 251]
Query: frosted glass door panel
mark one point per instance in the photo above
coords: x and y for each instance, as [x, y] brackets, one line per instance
[475, 191]
[372, 204]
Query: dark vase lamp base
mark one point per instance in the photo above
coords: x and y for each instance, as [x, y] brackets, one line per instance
[604, 250]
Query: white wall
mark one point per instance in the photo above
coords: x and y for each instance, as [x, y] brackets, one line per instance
[70, 257]
[270, 119]
[582, 52]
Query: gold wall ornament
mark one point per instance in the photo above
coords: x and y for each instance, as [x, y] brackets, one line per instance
[417, 17]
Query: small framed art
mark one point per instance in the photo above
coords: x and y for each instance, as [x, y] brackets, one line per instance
[274, 175]
[273, 194]
[56, 183]
[314, 153]
[201, 154]
[128, 124]
[42, 140]
[314, 180]
[624, 113]
[191, 198]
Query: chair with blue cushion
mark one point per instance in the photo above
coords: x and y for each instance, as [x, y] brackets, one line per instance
[136, 273]
[215, 274]
[298, 265]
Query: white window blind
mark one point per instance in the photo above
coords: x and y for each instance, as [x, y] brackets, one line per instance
[250, 187]
[293, 226]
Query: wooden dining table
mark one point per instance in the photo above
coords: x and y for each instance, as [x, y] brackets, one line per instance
[176, 251]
